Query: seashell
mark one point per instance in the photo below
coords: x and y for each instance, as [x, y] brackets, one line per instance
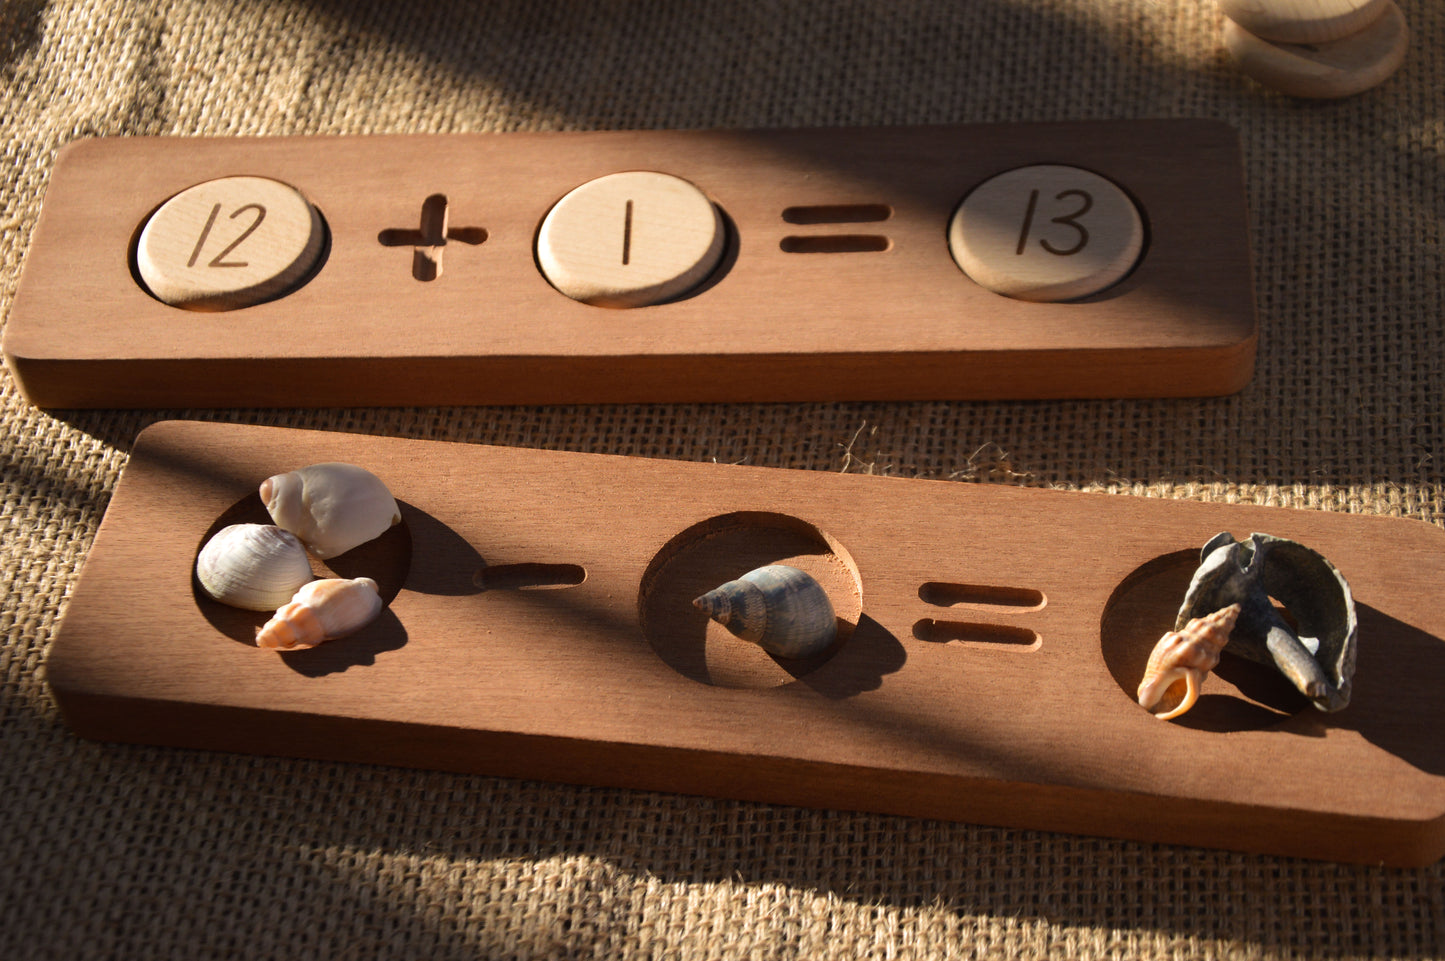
[331, 507]
[256, 567]
[1181, 660]
[781, 609]
[1318, 656]
[321, 611]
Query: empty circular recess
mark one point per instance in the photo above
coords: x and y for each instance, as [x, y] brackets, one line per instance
[230, 243]
[721, 549]
[631, 239]
[1239, 695]
[385, 559]
[1046, 233]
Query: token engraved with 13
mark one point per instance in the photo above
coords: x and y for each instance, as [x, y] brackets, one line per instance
[1069, 219]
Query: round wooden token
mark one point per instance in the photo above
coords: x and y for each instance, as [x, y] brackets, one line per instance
[1046, 233]
[1336, 68]
[1303, 21]
[230, 243]
[630, 239]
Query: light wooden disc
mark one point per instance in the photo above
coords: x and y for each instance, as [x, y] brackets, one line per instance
[1337, 68]
[1303, 21]
[630, 240]
[1046, 233]
[229, 243]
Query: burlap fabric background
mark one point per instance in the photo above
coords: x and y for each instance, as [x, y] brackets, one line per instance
[130, 853]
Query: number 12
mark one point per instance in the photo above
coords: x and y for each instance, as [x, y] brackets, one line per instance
[218, 260]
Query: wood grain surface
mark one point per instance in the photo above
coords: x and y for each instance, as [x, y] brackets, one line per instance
[539, 625]
[836, 283]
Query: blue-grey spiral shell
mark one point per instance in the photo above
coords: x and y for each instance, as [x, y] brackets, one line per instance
[782, 609]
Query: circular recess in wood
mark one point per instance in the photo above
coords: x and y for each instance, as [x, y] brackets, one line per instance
[1239, 695]
[1334, 68]
[721, 549]
[1303, 21]
[230, 243]
[386, 560]
[1046, 233]
[631, 239]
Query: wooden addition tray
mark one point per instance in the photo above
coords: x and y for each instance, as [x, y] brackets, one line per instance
[801, 309]
[540, 626]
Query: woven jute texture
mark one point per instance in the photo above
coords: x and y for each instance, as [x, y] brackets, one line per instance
[113, 851]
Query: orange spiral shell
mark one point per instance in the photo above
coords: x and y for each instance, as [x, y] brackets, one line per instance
[1182, 659]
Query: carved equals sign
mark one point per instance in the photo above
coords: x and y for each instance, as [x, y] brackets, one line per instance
[836, 243]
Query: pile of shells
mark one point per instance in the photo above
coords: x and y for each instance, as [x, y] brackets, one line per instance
[327, 509]
[1230, 606]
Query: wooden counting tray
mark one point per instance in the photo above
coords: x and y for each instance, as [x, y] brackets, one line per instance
[539, 625]
[835, 281]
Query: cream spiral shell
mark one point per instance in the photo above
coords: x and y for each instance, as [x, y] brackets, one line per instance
[321, 611]
[255, 567]
[332, 507]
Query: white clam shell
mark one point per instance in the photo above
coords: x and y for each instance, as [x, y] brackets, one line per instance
[321, 611]
[255, 567]
[332, 507]
[782, 609]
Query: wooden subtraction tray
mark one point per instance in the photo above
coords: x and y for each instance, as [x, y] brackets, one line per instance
[540, 626]
[807, 303]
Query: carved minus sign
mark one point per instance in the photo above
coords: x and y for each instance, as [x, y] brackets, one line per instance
[530, 576]
[971, 633]
[835, 244]
[947, 594]
[837, 214]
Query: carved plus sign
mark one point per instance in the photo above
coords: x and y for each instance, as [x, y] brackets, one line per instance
[431, 238]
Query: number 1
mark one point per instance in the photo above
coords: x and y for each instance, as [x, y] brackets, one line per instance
[627, 234]
[206, 232]
[1023, 234]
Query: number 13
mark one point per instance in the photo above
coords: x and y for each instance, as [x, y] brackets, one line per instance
[1070, 219]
